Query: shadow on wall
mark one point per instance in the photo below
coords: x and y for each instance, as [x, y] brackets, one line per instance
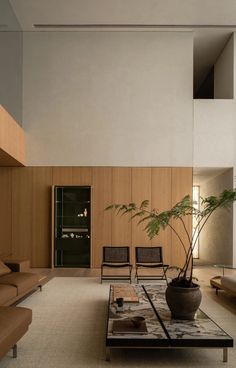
[11, 50]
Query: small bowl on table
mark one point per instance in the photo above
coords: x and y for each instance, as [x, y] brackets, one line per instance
[137, 321]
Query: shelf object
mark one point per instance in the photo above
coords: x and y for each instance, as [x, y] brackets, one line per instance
[72, 226]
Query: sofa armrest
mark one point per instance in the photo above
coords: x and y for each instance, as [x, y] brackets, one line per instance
[18, 265]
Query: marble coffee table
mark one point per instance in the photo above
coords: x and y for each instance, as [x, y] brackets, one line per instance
[161, 331]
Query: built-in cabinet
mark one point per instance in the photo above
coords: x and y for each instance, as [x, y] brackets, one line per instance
[72, 226]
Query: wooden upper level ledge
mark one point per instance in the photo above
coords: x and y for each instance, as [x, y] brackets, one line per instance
[12, 141]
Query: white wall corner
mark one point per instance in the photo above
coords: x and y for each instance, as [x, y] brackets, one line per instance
[224, 72]
[234, 220]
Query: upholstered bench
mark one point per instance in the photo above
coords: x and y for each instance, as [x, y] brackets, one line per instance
[229, 284]
[226, 283]
[14, 323]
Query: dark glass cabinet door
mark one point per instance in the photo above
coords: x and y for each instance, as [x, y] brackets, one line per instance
[72, 232]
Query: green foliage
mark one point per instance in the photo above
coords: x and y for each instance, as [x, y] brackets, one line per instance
[155, 221]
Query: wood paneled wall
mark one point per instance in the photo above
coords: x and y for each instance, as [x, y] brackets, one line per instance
[12, 141]
[25, 211]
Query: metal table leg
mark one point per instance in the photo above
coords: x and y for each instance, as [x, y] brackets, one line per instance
[108, 354]
[225, 355]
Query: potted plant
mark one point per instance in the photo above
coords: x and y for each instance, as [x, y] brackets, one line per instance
[183, 295]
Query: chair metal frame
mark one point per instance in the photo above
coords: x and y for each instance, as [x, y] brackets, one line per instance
[119, 263]
[150, 264]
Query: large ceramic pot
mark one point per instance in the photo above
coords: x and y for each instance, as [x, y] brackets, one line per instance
[183, 302]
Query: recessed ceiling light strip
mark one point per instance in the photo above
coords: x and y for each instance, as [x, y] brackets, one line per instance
[86, 26]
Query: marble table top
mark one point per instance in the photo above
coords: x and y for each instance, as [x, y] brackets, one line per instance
[162, 330]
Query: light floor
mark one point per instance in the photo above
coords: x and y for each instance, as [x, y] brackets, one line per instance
[202, 273]
[70, 322]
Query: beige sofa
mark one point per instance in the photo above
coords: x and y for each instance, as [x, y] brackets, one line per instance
[14, 321]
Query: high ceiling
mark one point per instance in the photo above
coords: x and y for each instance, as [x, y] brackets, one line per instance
[157, 12]
[211, 21]
[203, 174]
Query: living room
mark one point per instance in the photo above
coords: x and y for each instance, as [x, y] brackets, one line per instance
[129, 101]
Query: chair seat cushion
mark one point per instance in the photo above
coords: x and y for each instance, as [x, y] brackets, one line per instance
[23, 281]
[139, 264]
[116, 264]
[7, 292]
[14, 322]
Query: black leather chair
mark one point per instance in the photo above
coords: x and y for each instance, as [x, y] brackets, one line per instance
[150, 257]
[116, 257]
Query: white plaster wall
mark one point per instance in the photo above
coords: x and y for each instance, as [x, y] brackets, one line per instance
[216, 239]
[108, 98]
[234, 171]
[224, 72]
[11, 73]
[234, 218]
[214, 133]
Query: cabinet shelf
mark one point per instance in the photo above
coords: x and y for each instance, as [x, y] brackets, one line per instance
[81, 217]
[80, 238]
[73, 202]
[74, 229]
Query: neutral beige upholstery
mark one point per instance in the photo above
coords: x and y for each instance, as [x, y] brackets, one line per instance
[23, 281]
[7, 292]
[229, 282]
[14, 322]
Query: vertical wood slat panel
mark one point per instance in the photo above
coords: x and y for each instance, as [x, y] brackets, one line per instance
[5, 213]
[141, 189]
[161, 200]
[121, 193]
[62, 176]
[41, 226]
[182, 182]
[25, 210]
[22, 212]
[101, 220]
[82, 176]
[12, 140]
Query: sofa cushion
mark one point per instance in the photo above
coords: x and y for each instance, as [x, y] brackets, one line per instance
[23, 281]
[4, 269]
[7, 292]
[229, 282]
[14, 322]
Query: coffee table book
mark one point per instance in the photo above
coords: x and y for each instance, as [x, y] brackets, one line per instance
[127, 292]
[127, 327]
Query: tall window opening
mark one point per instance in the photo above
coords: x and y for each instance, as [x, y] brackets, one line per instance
[195, 227]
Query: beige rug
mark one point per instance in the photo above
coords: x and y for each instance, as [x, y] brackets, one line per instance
[68, 330]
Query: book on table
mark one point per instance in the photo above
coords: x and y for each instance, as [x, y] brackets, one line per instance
[127, 327]
[127, 292]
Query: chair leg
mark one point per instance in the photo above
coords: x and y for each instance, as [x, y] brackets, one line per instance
[14, 350]
[164, 271]
[101, 273]
[130, 274]
[136, 275]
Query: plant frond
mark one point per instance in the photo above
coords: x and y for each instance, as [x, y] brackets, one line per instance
[138, 214]
[144, 204]
[145, 219]
[109, 207]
